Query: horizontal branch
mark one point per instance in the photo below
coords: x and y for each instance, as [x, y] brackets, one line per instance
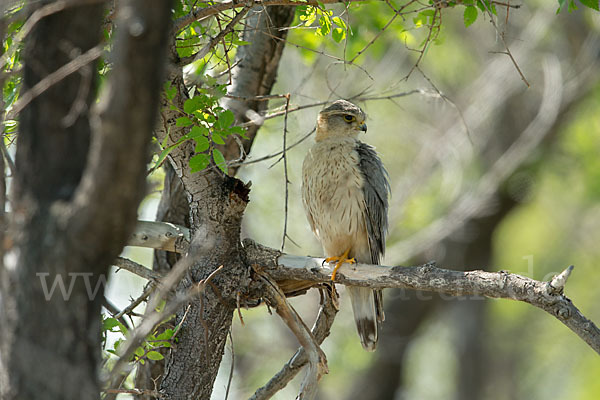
[296, 271]
[201, 13]
[137, 269]
[295, 274]
[161, 236]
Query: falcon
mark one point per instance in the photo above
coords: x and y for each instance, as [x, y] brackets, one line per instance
[345, 190]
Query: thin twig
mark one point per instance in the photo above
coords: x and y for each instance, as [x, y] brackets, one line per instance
[285, 170]
[320, 331]
[153, 318]
[214, 41]
[230, 378]
[37, 16]
[317, 362]
[508, 52]
[7, 157]
[426, 44]
[137, 269]
[201, 13]
[114, 312]
[382, 30]
[149, 289]
[53, 78]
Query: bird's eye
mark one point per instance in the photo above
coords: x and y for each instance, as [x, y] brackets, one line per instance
[349, 118]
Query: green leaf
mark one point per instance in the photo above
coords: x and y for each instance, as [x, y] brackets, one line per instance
[340, 22]
[225, 119]
[183, 121]
[161, 157]
[109, 323]
[218, 139]
[220, 160]
[139, 352]
[470, 15]
[199, 162]
[170, 91]
[239, 131]
[197, 131]
[485, 5]
[166, 335]
[593, 4]
[338, 34]
[192, 105]
[201, 144]
[154, 355]
[325, 23]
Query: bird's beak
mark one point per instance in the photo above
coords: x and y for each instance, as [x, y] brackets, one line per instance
[363, 127]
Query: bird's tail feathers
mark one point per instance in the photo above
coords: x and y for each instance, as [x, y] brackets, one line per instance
[365, 315]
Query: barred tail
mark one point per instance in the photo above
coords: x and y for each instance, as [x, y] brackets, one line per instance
[365, 315]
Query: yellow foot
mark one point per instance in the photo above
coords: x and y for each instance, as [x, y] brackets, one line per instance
[340, 260]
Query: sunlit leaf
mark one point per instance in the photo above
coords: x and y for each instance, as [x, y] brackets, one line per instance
[220, 160]
[338, 34]
[154, 355]
[470, 15]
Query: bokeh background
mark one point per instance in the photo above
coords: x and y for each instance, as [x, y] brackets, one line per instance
[486, 172]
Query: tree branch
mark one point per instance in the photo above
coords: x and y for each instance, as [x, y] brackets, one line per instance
[201, 13]
[501, 285]
[320, 331]
[161, 236]
[136, 269]
[317, 362]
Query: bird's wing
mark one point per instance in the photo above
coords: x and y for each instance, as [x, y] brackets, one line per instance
[376, 189]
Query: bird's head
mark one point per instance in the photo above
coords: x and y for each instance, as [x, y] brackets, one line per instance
[340, 119]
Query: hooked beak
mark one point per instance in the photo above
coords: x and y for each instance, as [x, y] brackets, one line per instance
[363, 127]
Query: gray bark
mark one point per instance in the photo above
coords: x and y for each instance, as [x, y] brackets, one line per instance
[77, 187]
[216, 204]
[547, 296]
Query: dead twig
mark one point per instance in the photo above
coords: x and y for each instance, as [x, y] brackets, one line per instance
[285, 170]
[317, 362]
[320, 331]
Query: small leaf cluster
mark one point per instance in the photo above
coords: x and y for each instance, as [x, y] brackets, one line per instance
[209, 124]
[571, 6]
[327, 22]
[194, 36]
[149, 348]
[473, 7]
[12, 82]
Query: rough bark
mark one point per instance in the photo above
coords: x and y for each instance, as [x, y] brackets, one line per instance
[191, 369]
[80, 177]
[547, 296]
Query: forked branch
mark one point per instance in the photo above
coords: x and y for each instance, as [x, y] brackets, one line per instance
[317, 362]
[320, 330]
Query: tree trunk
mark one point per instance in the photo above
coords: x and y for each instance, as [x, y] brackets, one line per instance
[217, 203]
[80, 177]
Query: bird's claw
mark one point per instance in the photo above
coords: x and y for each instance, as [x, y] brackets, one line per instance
[340, 260]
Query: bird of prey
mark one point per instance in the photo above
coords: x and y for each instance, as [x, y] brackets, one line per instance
[345, 191]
